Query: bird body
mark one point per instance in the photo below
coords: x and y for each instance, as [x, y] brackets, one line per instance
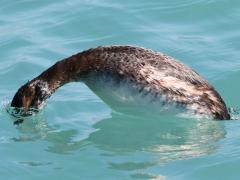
[148, 73]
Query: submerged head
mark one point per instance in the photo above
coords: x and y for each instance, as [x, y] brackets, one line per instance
[31, 95]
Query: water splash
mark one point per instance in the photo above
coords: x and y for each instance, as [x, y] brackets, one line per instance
[19, 114]
[234, 113]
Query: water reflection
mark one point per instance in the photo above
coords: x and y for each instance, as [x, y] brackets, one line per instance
[166, 136]
[169, 137]
[61, 140]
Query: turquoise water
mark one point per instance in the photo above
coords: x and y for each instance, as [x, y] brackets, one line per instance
[77, 136]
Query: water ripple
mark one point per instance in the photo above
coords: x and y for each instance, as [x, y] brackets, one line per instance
[77, 132]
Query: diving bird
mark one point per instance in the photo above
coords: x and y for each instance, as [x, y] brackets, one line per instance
[147, 73]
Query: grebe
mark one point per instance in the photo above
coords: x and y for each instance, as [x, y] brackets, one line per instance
[148, 72]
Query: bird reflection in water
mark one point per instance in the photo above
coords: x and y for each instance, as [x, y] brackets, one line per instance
[166, 137]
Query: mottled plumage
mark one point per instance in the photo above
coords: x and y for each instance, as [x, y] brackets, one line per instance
[147, 71]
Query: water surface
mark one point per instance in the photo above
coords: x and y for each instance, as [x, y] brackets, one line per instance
[77, 136]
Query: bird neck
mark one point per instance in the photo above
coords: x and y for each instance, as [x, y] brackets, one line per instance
[69, 70]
